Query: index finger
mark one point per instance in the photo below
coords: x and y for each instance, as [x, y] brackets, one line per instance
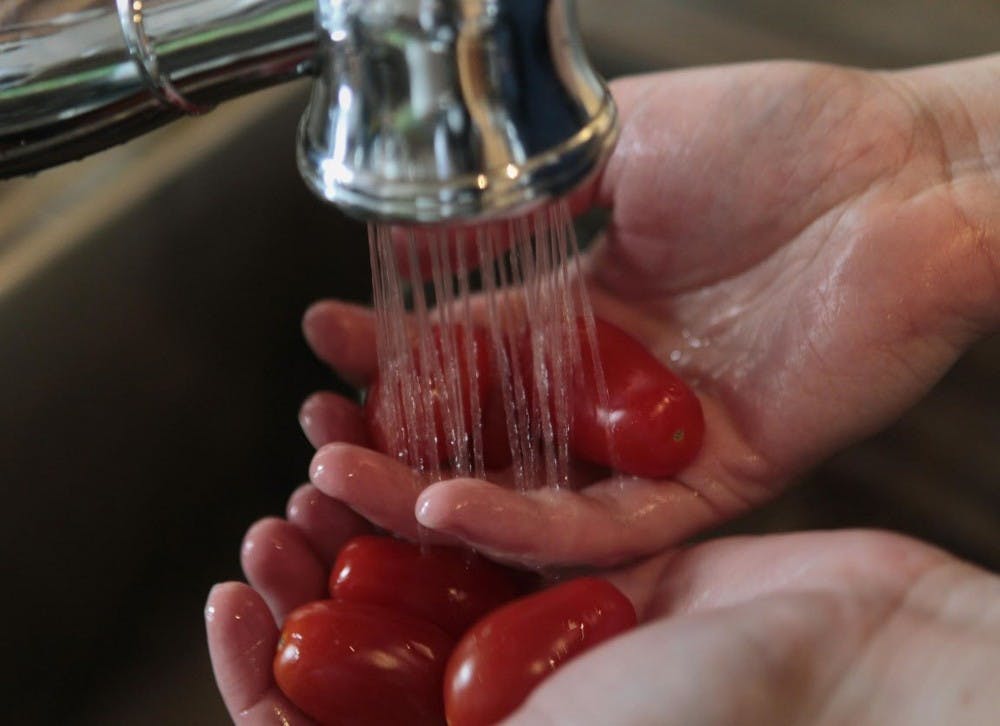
[609, 523]
[343, 336]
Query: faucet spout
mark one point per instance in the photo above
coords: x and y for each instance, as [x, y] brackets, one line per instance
[423, 111]
[435, 111]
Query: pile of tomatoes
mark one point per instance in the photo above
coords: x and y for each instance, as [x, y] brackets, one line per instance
[423, 636]
[418, 636]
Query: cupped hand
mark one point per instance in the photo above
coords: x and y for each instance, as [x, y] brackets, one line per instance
[811, 247]
[820, 628]
[287, 563]
[833, 627]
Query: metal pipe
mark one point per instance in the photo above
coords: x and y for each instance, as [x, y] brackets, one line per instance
[78, 76]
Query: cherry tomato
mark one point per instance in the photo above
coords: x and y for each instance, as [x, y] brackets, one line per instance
[509, 652]
[384, 433]
[496, 441]
[443, 585]
[351, 664]
[651, 423]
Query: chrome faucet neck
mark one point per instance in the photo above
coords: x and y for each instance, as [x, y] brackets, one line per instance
[74, 82]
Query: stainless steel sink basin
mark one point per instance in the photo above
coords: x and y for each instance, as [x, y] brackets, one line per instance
[152, 368]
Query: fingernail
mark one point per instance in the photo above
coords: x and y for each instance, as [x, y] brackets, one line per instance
[425, 512]
[313, 314]
[209, 607]
[301, 501]
[309, 422]
[318, 465]
[336, 464]
[321, 327]
[432, 514]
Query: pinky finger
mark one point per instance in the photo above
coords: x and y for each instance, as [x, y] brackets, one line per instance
[343, 336]
[242, 638]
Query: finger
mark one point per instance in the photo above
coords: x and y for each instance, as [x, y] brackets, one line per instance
[380, 489]
[609, 523]
[282, 567]
[343, 336]
[325, 523]
[242, 639]
[326, 417]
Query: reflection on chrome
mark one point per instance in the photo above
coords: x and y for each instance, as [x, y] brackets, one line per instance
[423, 110]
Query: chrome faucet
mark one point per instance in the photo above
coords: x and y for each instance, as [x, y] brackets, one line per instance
[422, 110]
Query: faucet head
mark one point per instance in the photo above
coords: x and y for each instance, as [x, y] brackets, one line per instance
[433, 111]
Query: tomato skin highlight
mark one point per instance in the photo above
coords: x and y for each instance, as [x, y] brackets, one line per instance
[651, 425]
[351, 664]
[446, 586]
[508, 653]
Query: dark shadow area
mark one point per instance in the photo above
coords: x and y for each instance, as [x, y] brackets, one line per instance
[152, 382]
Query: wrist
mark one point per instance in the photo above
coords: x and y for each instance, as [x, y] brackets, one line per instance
[951, 652]
[956, 106]
[962, 101]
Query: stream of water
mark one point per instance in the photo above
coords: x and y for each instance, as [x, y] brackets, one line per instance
[479, 339]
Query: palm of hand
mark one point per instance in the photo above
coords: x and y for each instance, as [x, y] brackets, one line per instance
[793, 240]
[819, 628]
[809, 267]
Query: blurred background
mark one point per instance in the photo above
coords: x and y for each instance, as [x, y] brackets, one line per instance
[152, 365]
